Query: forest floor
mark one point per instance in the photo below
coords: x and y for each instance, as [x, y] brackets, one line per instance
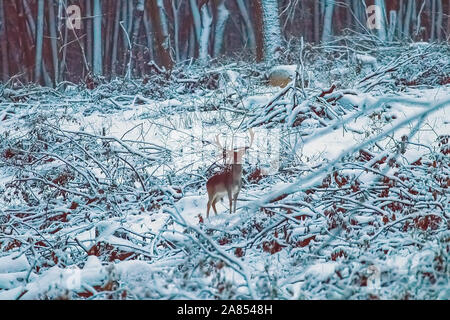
[345, 194]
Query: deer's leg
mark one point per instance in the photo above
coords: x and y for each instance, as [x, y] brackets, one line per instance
[214, 201]
[235, 199]
[230, 199]
[208, 206]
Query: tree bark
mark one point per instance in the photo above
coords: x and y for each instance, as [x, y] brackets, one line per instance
[39, 41]
[53, 38]
[222, 17]
[164, 23]
[3, 44]
[400, 20]
[130, 16]
[161, 47]
[148, 34]
[407, 19]
[433, 20]
[382, 19]
[205, 33]
[328, 20]
[115, 40]
[175, 9]
[108, 37]
[272, 28]
[392, 24]
[197, 18]
[440, 14]
[139, 12]
[97, 52]
[316, 21]
[89, 33]
[248, 25]
[448, 21]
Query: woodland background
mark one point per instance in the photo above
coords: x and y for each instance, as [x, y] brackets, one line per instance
[120, 38]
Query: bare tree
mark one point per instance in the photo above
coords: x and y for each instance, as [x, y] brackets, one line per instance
[222, 17]
[97, 58]
[328, 20]
[148, 35]
[160, 44]
[88, 24]
[440, 15]
[53, 38]
[272, 29]
[39, 41]
[205, 32]
[381, 6]
[248, 24]
[196, 18]
[175, 11]
[139, 12]
[400, 19]
[316, 21]
[3, 44]
[407, 18]
[115, 39]
[259, 29]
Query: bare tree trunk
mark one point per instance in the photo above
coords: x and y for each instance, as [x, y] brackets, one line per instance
[161, 49]
[124, 20]
[89, 33]
[328, 20]
[419, 34]
[53, 38]
[39, 41]
[382, 19]
[414, 18]
[222, 17]
[107, 41]
[407, 20]
[175, 9]
[448, 21]
[259, 29]
[196, 17]
[64, 53]
[115, 40]
[400, 19]
[392, 24]
[348, 14]
[97, 57]
[272, 28]
[3, 44]
[148, 34]
[248, 24]
[164, 23]
[204, 35]
[433, 20]
[440, 14]
[139, 12]
[191, 43]
[316, 21]
[130, 16]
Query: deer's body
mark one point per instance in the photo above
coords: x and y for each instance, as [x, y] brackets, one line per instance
[228, 183]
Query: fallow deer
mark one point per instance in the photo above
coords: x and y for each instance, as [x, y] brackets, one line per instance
[229, 181]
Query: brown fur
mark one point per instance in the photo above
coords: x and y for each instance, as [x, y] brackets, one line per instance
[229, 183]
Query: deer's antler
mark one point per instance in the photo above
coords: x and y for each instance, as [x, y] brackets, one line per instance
[217, 142]
[252, 138]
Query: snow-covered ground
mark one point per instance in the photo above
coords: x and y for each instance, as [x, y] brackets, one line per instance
[111, 204]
